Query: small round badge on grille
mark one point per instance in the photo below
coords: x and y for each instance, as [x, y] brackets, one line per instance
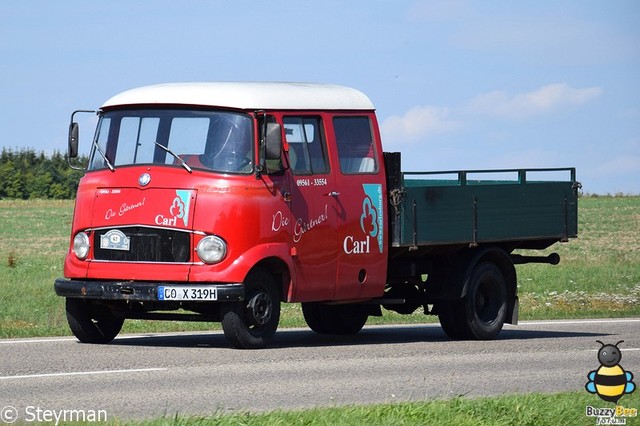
[144, 179]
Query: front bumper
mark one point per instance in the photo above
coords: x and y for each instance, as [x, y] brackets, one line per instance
[136, 291]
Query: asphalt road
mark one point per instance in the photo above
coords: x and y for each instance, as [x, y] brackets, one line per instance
[154, 375]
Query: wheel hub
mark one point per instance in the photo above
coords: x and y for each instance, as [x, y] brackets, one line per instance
[485, 306]
[260, 309]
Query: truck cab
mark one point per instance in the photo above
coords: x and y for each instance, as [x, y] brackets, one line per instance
[224, 200]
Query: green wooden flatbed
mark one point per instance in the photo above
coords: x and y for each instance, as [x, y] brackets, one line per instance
[518, 208]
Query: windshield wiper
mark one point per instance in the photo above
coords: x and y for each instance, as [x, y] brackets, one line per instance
[104, 157]
[182, 163]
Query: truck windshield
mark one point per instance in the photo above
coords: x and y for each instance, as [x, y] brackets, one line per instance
[214, 140]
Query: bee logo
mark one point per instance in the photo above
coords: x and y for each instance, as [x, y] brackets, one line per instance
[610, 381]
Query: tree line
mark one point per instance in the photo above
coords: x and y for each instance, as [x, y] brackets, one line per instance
[27, 174]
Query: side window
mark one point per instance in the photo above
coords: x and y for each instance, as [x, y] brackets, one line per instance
[307, 153]
[354, 140]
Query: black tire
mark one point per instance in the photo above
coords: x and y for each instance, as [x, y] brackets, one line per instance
[92, 323]
[481, 314]
[450, 319]
[251, 324]
[313, 317]
[334, 319]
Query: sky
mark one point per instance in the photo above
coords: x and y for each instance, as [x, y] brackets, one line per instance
[457, 84]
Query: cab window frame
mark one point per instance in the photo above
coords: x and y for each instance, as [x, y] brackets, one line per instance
[359, 158]
[306, 156]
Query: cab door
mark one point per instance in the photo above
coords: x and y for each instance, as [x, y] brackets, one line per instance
[362, 234]
[313, 214]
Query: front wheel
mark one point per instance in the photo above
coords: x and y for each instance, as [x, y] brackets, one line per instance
[251, 324]
[482, 312]
[91, 322]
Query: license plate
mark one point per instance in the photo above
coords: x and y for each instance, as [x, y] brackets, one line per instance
[115, 240]
[187, 293]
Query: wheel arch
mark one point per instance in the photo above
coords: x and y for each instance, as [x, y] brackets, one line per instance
[281, 273]
[502, 260]
[274, 258]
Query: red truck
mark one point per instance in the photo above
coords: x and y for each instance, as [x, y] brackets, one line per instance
[220, 201]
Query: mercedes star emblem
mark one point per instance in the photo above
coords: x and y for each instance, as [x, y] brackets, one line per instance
[144, 179]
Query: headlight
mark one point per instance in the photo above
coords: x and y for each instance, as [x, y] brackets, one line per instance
[211, 249]
[81, 245]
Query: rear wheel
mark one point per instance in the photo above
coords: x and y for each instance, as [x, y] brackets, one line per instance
[451, 319]
[91, 322]
[334, 319]
[481, 313]
[251, 324]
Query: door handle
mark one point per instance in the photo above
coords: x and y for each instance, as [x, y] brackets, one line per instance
[333, 194]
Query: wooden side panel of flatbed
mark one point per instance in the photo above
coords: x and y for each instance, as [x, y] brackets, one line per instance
[524, 213]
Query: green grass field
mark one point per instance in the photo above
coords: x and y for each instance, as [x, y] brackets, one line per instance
[568, 408]
[599, 275]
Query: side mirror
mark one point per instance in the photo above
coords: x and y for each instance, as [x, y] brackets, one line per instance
[73, 134]
[73, 140]
[273, 142]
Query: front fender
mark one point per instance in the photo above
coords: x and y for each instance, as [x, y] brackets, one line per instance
[240, 267]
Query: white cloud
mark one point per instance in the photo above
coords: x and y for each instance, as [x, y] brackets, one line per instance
[613, 173]
[546, 99]
[620, 165]
[416, 124]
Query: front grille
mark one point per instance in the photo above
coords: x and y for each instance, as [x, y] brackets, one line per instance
[146, 245]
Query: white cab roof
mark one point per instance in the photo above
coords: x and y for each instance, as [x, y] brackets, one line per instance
[248, 95]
